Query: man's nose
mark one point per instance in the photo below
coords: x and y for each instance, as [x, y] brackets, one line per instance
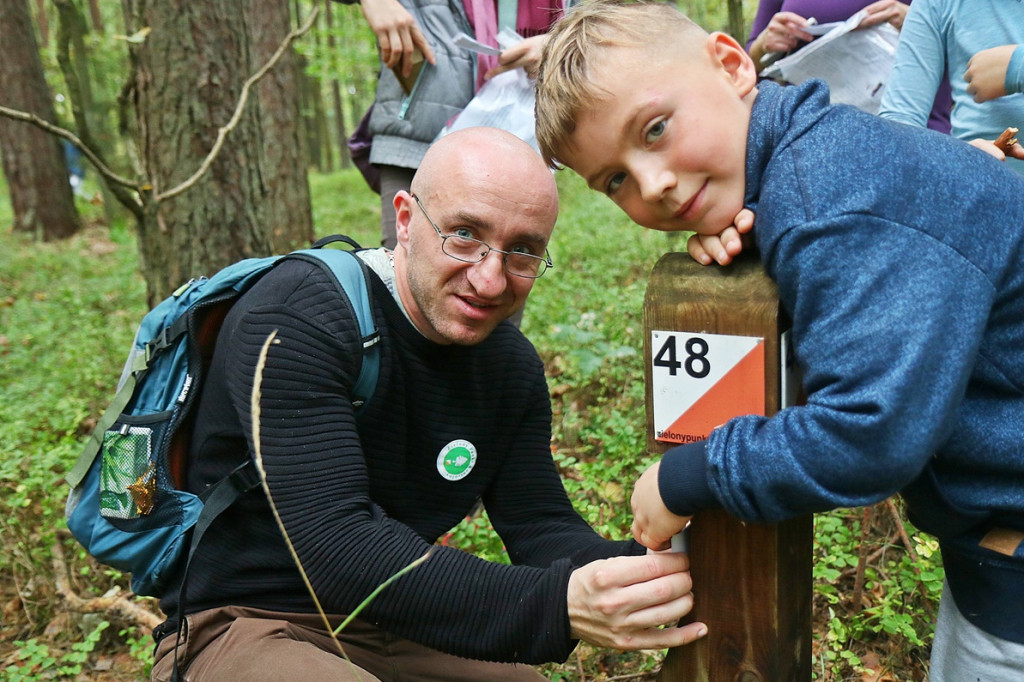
[488, 276]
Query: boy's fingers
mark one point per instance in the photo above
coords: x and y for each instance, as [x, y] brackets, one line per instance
[696, 250]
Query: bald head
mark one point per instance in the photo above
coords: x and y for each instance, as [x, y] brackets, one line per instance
[488, 160]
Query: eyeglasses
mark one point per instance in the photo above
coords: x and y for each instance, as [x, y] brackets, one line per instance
[469, 250]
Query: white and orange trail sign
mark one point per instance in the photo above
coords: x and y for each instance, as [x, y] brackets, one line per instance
[703, 380]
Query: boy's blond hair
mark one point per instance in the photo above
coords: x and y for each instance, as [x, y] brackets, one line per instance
[565, 86]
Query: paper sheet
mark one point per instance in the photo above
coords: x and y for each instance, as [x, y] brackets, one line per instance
[854, 63]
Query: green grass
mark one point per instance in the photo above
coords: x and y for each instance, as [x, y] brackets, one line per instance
[67, 314]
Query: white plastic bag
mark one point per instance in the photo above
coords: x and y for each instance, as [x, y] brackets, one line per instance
[506, 102]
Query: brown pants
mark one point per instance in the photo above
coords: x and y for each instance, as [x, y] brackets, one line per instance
[252, 645]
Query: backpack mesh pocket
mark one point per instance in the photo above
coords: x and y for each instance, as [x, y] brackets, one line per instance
[128, 467]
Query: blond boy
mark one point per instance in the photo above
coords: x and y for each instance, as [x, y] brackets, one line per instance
[899, 255]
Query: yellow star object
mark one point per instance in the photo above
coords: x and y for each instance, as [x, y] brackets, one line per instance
[143, 491]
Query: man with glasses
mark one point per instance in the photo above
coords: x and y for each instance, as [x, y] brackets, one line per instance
[460, 415]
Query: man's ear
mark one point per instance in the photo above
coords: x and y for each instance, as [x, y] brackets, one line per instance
[403, 215]
[730, 55]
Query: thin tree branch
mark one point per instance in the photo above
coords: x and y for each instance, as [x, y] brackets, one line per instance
[73, 139]
[222, 133]
[120, 606]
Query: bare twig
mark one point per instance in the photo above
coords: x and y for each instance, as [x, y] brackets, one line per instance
[910, 550]
[254, 407]
[629, 676]
[579, 665]
[903, 533]
[870, 559]
[858, 581]
[73, 139]
[222, 133]
[119, 606]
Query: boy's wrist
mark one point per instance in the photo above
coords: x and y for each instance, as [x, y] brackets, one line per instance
[683, 480]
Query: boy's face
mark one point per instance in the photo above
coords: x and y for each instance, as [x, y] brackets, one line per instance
[668, 142]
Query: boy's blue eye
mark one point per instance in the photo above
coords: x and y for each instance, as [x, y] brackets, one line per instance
[463, 232]
[615, 182]
[655, 131]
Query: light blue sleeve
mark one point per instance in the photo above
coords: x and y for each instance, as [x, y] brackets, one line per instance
[1015, 72]
[918, 67]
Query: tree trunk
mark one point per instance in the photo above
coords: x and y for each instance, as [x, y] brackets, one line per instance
[307, 96]
[188, 79]
[289, 214]
[73, 58]
[96, 16]
[736, 27]
[43, 22]
[323, 136]
[33, 160]
[339, 114]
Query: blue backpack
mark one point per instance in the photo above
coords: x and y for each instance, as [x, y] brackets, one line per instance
[126, 505]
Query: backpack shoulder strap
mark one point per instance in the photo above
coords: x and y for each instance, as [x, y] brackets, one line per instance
[351, 275]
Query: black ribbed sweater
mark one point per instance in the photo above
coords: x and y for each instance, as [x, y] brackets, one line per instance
[362, 497]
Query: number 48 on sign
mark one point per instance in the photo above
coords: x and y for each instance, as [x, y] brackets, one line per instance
[703, 380]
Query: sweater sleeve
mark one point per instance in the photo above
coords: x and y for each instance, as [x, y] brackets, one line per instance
[918, 68]
[1014, 81]
[347, 544]
[886, 358]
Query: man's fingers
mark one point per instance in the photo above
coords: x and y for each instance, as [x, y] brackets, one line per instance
[659, 638]
[662, 615]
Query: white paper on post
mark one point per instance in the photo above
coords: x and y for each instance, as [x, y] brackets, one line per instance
[854, 63]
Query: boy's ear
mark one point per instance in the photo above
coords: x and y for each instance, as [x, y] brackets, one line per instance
[725, 51]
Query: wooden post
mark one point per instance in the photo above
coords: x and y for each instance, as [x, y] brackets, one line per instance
[713, 336]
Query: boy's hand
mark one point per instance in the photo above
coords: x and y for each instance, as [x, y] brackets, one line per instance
[891, 11]
[623, 602]
[525, 54]
[724, 246]
[653, 524]
[398, 35]
[986, 73]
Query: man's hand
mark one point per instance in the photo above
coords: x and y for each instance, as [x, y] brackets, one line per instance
[986, 73]
[623, 602]
[653, 524]
[525, 54]
[724, 246]
[892, 11]
[398, 34]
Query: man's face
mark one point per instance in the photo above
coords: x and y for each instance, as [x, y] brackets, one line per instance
[458, 302]
[668, 142]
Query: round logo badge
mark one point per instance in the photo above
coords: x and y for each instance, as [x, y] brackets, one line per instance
[456, 460]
